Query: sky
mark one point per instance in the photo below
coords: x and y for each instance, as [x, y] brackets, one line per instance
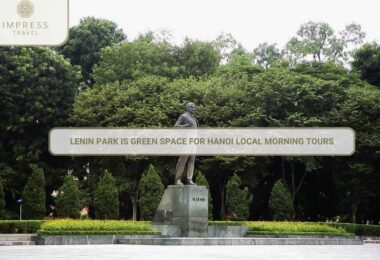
[251, 22]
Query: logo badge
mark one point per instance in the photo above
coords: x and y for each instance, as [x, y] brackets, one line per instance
[25, 9]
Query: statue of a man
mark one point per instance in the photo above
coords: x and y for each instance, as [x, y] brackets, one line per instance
[187, 119]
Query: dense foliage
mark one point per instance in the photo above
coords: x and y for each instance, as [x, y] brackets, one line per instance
[280, 202]
[33, 196]
[37, 90]
[20, 226]
[106, 198]
[238, 199]
[367, 63]
[146, 81]
[68, 200]
[86, 41]
[151, 191]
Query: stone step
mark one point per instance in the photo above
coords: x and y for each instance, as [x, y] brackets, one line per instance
[371, 238]
[17, 243]
[16, 237]
[371, 241]
[240, 241]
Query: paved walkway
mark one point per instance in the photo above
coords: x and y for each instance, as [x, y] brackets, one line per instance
[113, 252]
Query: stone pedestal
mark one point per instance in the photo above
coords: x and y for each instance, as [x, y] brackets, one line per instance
[183, 211]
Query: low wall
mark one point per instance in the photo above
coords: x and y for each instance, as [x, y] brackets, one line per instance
[87, 239]
[227, 231]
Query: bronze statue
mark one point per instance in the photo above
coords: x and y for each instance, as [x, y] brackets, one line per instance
[187, 119]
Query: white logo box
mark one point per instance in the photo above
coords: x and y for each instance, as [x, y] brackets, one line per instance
[34, 22]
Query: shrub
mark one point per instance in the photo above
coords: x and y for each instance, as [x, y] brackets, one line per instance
[293, 228]
[358, 229]
[33, 195]
[20, 226]
[280, 202]
[151, 192]
[95, 227]
[106, 198]
[67, 201]
[238, 200]
[201, 180]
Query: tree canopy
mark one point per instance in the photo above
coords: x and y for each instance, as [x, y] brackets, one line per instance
[100, 79]
[86, 41]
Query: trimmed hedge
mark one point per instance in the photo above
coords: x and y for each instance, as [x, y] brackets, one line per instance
[303, 228]
[105, 227]
[358, 229]
[96, 227]
[294, 228]
[20, 226]
[100, 232]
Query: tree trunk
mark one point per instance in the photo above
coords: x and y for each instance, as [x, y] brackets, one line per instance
[353, 216]
[222, 201]
[134, 208]
[354, 209]
[292, 187]
[293, 192]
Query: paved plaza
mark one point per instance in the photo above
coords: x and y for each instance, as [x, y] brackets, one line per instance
[367, 252]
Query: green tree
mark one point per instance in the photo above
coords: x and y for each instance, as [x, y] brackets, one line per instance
[201, 180]
[284, 99]
[2, 201]
[318, 41]
[265, 54]
[68, 199]
[225, 44]
[360, 175]
[280, 202]
[133, 60]
[131, 104]
[33, 196]
[239, 65]
[367, 63]
[197, 58]
[151, 191]
[86, 41]
[238, 200]
[106, 198]
[37, 90]
[138, 104]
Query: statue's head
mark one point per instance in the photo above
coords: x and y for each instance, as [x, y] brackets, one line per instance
[190, 107]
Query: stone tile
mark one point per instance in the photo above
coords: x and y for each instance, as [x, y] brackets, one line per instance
[143, 252]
